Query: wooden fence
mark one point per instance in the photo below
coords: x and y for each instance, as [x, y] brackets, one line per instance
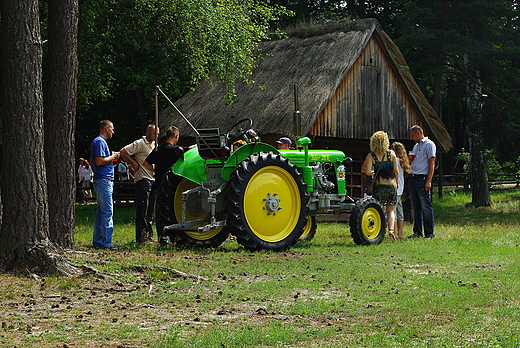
[124, 194]
[462, 180]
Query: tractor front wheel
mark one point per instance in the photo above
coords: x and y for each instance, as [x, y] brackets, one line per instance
[367, 222]
[266, 203]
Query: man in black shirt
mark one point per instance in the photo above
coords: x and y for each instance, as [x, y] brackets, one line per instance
[161, 161]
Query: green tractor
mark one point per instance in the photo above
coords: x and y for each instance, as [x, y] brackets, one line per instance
[267, 198]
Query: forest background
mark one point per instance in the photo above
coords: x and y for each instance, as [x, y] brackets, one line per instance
[450, 46]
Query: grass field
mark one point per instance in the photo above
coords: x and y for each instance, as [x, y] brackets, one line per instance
[460, 289]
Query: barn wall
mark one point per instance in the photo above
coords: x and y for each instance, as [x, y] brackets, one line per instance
[371, 97]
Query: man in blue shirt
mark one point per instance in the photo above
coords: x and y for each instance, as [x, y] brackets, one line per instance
[420, 179]
[103, 168]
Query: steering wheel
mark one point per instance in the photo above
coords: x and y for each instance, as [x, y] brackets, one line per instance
[239, 129]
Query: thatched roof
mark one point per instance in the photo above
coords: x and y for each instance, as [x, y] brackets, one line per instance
[317, 62]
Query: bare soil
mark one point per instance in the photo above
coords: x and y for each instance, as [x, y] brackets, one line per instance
[83, 312]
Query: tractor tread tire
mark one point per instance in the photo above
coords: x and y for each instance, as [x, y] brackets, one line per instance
[238, 184]
[367, 217]
[309, 231]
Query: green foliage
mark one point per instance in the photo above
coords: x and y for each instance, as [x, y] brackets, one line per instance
[495, 167]
[138, 44]
[127, 47]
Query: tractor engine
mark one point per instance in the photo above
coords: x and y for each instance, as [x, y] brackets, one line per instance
[325, 194]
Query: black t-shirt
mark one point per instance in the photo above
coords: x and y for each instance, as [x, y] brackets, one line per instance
[165, 157]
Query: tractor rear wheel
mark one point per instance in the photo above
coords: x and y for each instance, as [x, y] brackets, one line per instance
[367, 222]
[266, 203]
[309, 230]
[169, 212]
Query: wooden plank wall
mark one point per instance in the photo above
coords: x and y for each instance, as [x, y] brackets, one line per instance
[371, 97]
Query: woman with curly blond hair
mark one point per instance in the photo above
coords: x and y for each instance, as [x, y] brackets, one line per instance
[403, 164]
[382, 162]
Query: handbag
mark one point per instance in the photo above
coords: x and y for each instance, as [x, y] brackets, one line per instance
[369, 186]
[371, 181]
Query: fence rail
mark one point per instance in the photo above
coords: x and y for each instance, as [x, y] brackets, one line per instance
[462, 180]
[124, 193]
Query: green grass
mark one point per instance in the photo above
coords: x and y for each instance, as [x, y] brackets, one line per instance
[460, 289]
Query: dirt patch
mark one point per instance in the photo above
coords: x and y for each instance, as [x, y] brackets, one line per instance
[88, 311]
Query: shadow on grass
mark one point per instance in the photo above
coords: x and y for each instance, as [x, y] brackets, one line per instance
[455, 208]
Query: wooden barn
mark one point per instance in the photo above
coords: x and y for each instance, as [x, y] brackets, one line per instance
[352, 80]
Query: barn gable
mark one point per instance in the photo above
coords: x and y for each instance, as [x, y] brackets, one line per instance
[352, 81]
[370, 96]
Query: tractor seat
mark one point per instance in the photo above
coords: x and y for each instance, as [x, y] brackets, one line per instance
[210, 142]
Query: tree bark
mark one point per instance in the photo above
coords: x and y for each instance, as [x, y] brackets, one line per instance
[24, 242]
[478, 169]
[60, 119]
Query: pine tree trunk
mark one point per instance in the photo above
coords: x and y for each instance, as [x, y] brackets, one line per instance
[478, 169]
[24, 242]
[60, 119]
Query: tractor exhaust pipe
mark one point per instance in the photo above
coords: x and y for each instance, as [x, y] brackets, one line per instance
[297, 119]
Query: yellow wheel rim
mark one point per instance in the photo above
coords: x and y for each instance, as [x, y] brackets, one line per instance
[371, 223]
[193, 212]
[272, 204]
[308, 227]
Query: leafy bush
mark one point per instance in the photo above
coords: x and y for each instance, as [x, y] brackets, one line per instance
[495, 167]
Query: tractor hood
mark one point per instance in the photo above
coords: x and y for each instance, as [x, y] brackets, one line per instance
[297, 157]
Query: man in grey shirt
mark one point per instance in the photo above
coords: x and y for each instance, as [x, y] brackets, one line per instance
[420, 183]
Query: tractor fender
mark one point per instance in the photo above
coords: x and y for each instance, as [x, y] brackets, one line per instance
[242, 153]
[193, 166]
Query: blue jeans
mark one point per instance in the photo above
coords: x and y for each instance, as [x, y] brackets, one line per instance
[422, 206]
[103, 223]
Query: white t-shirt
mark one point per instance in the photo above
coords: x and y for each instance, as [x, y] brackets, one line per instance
[400, 178]
[122, 167]
[85, 174]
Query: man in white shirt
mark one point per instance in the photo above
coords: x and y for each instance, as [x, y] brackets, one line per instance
[421, 175]
[144, 178]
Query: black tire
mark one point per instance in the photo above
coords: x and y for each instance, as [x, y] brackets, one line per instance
[309, 230]
[368, 222]
[266, 203]
[169, 207]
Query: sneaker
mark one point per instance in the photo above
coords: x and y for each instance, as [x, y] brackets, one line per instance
[430, 236]
[414, 236]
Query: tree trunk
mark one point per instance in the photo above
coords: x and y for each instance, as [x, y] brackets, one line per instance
[478, 169]
[60, 119]
[24, 242]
